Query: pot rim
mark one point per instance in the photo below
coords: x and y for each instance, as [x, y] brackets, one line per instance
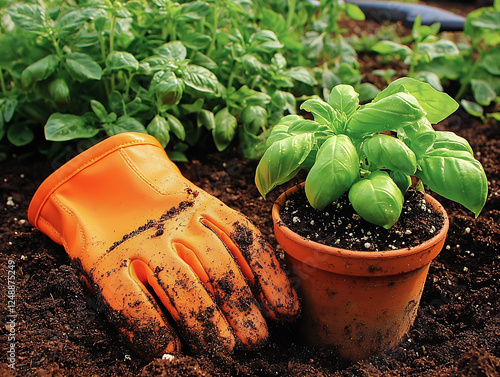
[356, 254]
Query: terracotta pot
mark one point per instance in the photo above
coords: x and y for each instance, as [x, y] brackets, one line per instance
[360, 302]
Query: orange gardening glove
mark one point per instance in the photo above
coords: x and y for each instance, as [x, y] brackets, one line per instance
[160, 252]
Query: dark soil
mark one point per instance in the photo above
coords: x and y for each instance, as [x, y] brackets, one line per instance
[59, 332]
[340, 226]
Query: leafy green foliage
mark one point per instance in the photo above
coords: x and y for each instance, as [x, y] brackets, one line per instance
[372, 150]
[473, 62]
[180, 71]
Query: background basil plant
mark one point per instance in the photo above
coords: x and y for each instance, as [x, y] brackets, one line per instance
[372, 150]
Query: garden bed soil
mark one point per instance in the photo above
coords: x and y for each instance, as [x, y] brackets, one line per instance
[59, 332]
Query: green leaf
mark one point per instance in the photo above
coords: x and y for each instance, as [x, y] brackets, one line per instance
[225, 129]
[334, 171]
[387, 152]
[158, 127]
[124, 124]
[201, 79]
[403, 181]
[438, 48]
[431, 78]
[195, 40]
[29, 18]
[491, 61]
[344, 99]
[64, 127]
[450, 140]
[389, 113]
[456, 175]
[265, 41]
[9, 109]
[59, 91]
[40, 70]
[70, 23]
[167, 88]
[2, 125]
[20, 134]
[302, 74]
[386, 47]
[174, 51]
[176, 126]
[194, 10]
[118, 60]
[205, 118]
[472, 108]
[354, 11]
[383, 195]
[81, 67]
[281, 161]
[483, 92]
[254, 119]
[322, 111]
[437, 105]
[419, 136]
[367, 92]
[99, 110]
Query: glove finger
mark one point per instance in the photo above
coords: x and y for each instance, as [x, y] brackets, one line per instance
[133, 311]
[257, 260]
[231, 290]
[190, 305]
[170, 289]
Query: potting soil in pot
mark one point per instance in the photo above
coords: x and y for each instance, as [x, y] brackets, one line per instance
[340, 226]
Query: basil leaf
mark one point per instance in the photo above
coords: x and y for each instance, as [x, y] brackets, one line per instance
[205, 118]
[483, 92]
[254, 119]
[99, 110]
[29, 18]
[175, 125]
[389, 113]
[303, 75]
[118, 60]
[174, 51]
[456, 175]
[437, 105]
[403, 181]
[383, 195]
[387, 152]
[81, 67]
[419, 136]
[200, 79]
[225, 129]
[124, 124]
[20, 134]
[40, 70]
[158, 127]
[281, 161]
[450, 140]
[63, 127]
[334, 171]
[322, 111]
[344, 99]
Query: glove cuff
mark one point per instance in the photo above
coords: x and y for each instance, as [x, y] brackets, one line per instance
[79, 163]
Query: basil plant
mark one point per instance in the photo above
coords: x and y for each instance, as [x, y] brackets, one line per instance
[371, 151]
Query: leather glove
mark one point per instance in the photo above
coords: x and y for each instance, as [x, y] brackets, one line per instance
[163, 256]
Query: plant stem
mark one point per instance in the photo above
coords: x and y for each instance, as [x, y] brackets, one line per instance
[2, 82]
[464, 84]
[215, 26]
[56, 45]
[111, 46]
[292, 5]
